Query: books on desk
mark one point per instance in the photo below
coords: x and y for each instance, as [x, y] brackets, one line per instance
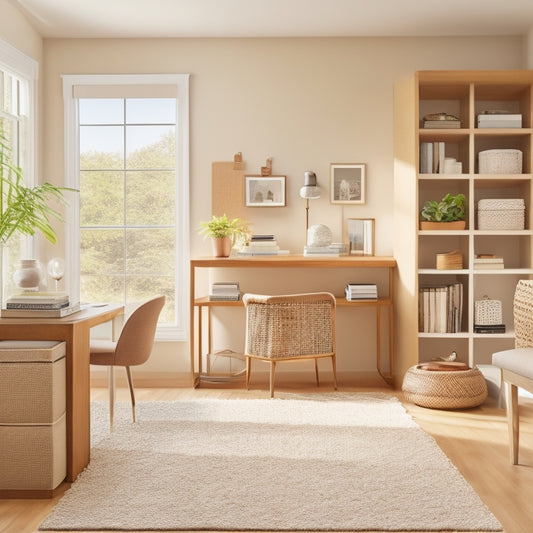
[224, 291]
[41, 313]
[361, 291]
[262, 245]
[334, 249]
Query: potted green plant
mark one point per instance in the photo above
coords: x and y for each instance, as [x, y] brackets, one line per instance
[225, 233]
[448, 213]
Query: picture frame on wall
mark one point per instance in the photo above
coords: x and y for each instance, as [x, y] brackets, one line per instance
[359, 233]
[264, 191]
[347, 183]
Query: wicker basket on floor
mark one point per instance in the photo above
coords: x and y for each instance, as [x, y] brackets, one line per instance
[455, 389]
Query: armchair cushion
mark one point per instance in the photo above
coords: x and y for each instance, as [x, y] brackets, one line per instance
[517, 360]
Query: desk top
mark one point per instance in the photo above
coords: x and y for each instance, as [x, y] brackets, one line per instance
[88, 313]
[297, 261]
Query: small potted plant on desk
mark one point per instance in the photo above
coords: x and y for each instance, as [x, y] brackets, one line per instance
[225, 233]
[448, 214]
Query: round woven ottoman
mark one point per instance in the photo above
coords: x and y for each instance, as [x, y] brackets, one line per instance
[448, 389]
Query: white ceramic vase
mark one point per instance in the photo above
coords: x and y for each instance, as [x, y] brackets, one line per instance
[29, 275]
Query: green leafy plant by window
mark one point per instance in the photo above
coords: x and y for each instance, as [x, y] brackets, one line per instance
[449, 209]
[221, 227]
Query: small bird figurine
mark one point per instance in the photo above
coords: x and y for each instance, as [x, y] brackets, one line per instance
[451, 357]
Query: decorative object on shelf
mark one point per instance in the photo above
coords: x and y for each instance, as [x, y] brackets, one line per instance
[441, 121]
[360, 235]
[261, 191]
[452, 166]
[29, 275]
[267, 169]
[347, 183]
[448, 358]
[310, 191]
[488, 316]
[319, 235]
[450, 260]
[56, 269]
[499, 119]
[225, 233]
[500, 214]
[501, 161]
[450, 209]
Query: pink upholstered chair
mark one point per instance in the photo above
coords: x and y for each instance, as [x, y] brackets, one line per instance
[132, 348]
[288, 328]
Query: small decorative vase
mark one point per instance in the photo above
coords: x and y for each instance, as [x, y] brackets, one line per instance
[221, 246]
[29, 275]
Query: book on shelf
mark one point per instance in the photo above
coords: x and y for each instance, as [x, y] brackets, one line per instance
[361, 291]
[40, 313]
[440, 308]
[224, 291]
[39, 297]
[39, 305]
[488, 262]
[490, 328]
[442, 124]
[432, 157]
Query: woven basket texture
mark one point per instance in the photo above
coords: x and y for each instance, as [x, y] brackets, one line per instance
[487, 312]
[290, 326]
[456, 389]
[494, 214]
[500, 161]
[523, 314]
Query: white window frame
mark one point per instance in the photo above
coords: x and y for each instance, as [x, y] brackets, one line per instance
[26, 69]
[72, 174]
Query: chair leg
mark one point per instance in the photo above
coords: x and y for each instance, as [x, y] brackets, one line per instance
[316, 372]
[248, 368]
[132, 392]
[513, 421]
[111, 388]
[334, 365]
[272, 377]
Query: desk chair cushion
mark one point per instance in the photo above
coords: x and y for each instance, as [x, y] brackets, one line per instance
[103, 352]
[517, 360]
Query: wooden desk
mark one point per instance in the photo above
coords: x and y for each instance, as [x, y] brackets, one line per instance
[198, 303]
[75, 331]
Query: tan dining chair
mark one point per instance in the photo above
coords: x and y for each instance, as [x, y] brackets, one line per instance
[288, 328]
[517, 364]
[132, 348]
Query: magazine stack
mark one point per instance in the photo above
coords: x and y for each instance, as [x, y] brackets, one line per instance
[30, 304]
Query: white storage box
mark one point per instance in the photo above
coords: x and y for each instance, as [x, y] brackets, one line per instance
[501, 214]
[499, 120]
[504, 161]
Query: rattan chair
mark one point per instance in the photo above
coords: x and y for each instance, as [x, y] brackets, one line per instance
[517, 364]
[133, 347]
[288, 328]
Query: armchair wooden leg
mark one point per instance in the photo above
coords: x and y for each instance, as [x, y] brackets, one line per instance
[248, 368]
[132, 392]
[513, 421]
[272, 377]
[316, 372]
[111, 388]
[334, 365]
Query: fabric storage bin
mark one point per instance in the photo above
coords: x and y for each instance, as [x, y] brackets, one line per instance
[503, 161]
[33, 446]
[33, 457]
[498, 214]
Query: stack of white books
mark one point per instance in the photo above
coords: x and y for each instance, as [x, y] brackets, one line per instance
[335, 249]
[39, 305]
[262, 245]
[361, 291]
[488, 262]
[224, 291]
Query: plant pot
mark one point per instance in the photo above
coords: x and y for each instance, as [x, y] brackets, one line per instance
[444, 226]
[221, 246]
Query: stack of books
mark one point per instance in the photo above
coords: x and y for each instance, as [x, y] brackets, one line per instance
[262, 245]
[224, 291]
[432, 155]
[441, 308]
[335, 249]
[361, 291]
[488, 262]
[39, 305]
[489, 328]
[441, 121]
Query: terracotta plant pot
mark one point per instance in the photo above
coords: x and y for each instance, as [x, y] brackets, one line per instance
[221, 246]
[445, 226]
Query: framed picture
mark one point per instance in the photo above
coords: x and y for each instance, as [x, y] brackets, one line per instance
[347, 183]
[266, 191]
[360, 235]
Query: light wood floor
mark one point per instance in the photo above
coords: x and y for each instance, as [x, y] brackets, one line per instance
[475, 440]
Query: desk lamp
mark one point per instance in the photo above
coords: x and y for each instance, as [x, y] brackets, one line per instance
[310, 191]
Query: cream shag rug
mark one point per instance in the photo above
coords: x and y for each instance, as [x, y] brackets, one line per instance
[328, 462]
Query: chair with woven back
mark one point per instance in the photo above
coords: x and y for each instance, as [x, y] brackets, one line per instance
[289, 328]
[517, 364]
[132, 348]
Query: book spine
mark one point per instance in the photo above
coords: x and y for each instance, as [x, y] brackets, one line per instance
[14, 305]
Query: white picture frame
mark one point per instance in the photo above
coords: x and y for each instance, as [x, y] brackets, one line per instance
[360, 236]
[264, 191]
[348, 183]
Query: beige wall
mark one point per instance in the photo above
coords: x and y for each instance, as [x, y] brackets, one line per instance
[304, 102]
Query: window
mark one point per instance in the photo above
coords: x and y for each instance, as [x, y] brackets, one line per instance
[130, 164]
[18, 77]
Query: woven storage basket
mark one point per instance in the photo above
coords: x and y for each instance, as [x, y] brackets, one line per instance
[487, 312]
[503, 161]
[455, 389]
[498, 214]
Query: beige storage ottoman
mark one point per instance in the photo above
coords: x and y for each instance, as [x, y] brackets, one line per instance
[32, 415]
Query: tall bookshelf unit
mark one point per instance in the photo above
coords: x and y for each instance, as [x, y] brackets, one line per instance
[464, 94]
